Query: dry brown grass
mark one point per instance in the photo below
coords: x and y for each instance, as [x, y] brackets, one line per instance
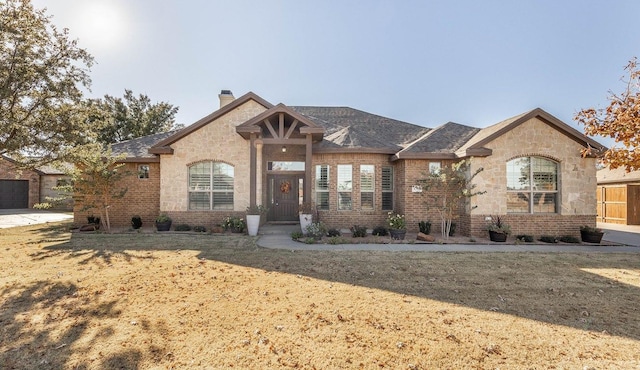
[212, 301]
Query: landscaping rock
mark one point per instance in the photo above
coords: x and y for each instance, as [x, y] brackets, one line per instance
[425, 238]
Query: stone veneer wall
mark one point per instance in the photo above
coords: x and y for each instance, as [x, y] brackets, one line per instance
[8, 171]
[576, 181]
[142, 199]
[333, 218]
[216, 141]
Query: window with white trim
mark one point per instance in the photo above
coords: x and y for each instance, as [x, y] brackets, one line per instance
[345, 185]
[532, 185]
[367, 186]
[211, 186]
[387, 188]
[143, 171]
[322, 186]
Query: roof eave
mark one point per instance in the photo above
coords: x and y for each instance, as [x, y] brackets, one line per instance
[405, 155]
[161, 150]
[387, 151]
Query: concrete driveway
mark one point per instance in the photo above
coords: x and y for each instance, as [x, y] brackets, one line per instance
[623, 234]
[24, 217]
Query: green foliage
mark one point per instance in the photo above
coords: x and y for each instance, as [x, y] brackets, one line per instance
[42, 75]
[257, 210]
[93, 220]
[234, 223]
[425, 227]
[162, 218]
[120, 119]
[97, 180]
[525, 238]
[182, 227]
[380, 231]
[337, 240]
[358, 231]
[333, 232]
[446, 190]
[136, 222]
[296, 235]
[316, 230]
[569, 239]
[589, 229]
[310, 240]
[396, 221]
[548, 239]
[497, 225]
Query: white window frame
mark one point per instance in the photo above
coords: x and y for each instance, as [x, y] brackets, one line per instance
[368, 170]
[345, 187]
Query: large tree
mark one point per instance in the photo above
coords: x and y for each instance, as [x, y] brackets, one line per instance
[131, 117]
[620, 121]
[42, 72]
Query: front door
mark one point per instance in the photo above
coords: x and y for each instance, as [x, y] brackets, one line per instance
[284, 193]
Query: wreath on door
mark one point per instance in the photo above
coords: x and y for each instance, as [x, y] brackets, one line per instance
[285, 187]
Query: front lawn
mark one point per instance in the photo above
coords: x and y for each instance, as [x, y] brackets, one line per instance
[144, 301]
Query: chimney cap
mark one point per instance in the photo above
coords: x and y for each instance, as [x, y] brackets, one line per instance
[226, 92]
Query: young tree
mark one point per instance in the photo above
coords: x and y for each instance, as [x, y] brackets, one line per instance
[620, 121]
[97, 181]
[42, 72]
[445, 189]
[132, 117]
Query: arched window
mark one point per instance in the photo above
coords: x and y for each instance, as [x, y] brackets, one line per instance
[532, 185]
[210, 186]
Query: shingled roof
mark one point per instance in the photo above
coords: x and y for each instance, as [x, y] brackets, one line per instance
[139, 148]
[444, 139]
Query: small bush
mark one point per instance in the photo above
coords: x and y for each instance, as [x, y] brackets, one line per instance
[337, 240]
[296, 235]
[200, 229]
[525, 238]
[333, 233]
[548, 239]
[136, 222]
[183, 227]
[93, 220]
[425, 227]
[310, 241]
[316, 230]
[380, 231]
[569, 239]
[358, 231]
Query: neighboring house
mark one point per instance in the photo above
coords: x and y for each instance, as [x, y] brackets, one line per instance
[618, 196]
[24, 188]
[356, 167]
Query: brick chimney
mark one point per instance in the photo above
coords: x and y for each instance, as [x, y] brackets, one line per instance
[226, 97]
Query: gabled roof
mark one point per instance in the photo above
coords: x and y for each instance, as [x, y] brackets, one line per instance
[475, 146]
[442, 141]
[254, 124]
[348, 139]
[163, 146]
[618, 175]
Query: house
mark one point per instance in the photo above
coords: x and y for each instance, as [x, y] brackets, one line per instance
[618, 196]
[20, 188]
[356, 167]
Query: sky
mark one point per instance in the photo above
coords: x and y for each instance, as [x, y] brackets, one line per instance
[424, 62]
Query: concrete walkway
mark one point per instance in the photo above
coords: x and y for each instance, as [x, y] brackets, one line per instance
[278, 237]
[25, 217]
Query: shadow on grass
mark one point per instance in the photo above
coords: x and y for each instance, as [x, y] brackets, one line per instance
[548, 287]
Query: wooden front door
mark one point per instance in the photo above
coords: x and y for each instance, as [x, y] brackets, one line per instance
[284, 192]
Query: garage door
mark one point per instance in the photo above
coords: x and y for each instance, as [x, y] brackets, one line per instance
[14, 194]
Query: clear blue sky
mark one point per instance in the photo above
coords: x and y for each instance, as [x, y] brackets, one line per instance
[425, 62]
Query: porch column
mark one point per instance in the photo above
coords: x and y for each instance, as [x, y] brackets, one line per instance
[307, 171]
[252, 170]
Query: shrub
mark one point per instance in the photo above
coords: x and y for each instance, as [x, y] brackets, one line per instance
[589, 229]
[336, 240]
[548, 239]
[200, 229]
[235, 224]
[316, 230]
[425, 227]
[93, 220]
[163, 218]
[183, 227]
[525, 238]
[310, 241]
[358, 231]
[569, 239]
[396, 221]
[380, 231]
[296, 235]
[333, 233]
[136, 222]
